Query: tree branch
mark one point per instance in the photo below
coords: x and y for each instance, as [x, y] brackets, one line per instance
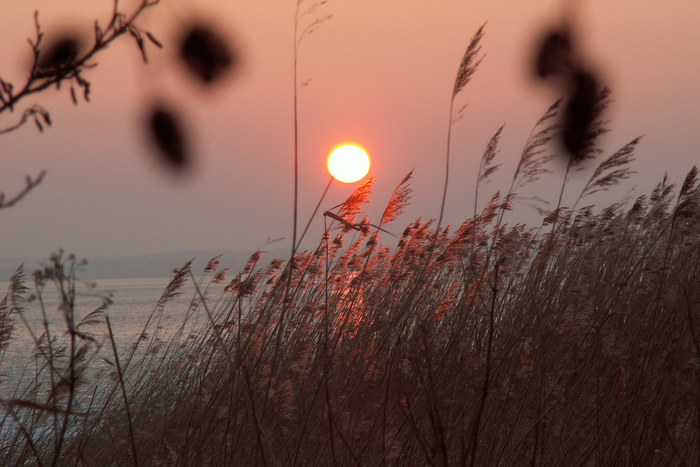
[30, 185]
[39, 79]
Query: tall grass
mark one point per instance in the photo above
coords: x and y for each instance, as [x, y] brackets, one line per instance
[573, 342]
[578, 345]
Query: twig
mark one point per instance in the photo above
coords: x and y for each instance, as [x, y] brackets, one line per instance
[30, 112]
[39, 80]
[31, 183]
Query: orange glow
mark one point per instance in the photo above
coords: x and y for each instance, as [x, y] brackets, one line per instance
[348, 163]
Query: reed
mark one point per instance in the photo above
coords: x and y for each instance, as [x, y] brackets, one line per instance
[575, 347]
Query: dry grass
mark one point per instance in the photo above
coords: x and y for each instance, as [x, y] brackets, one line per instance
[577, 346]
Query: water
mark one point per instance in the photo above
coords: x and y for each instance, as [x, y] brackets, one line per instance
[133, 302]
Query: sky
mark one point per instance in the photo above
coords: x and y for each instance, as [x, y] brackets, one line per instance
[378, 72]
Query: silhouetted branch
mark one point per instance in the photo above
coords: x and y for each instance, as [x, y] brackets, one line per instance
[30, 112]
[62, 62]
[30, 185]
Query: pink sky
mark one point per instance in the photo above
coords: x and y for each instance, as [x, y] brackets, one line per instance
[381, 73]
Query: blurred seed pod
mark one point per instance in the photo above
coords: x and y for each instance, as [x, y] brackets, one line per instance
[166, 133]
[60, 54]
[580, 114]
[206, 54]
[557, 56]
[554, 55]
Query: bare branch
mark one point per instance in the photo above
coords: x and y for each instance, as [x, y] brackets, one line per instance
[31, 183]
[39, 80]
[36, 112]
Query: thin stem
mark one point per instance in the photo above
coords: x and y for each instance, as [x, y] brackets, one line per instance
[296, 139]
[123, 390]
[318, 205]
[487, 375]
[447, 168]
[326, 337]
[556, 211]
[290, 265]
[217, 333]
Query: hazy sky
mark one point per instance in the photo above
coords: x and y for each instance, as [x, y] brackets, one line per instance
[381, 73]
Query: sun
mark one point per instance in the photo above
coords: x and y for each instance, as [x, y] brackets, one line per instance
[348, 163]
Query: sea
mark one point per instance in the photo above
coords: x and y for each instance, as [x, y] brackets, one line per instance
[132, 302]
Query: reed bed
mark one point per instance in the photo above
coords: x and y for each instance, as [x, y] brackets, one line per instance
[485, 344]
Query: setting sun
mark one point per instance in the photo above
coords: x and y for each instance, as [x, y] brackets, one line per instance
[348, 163]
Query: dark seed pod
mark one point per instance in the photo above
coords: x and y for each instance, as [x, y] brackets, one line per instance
[205, 54]
[553, 56]
[166, 132]
[579, 117]
[60, 54]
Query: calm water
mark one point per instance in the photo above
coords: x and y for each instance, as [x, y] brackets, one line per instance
[133, 301]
